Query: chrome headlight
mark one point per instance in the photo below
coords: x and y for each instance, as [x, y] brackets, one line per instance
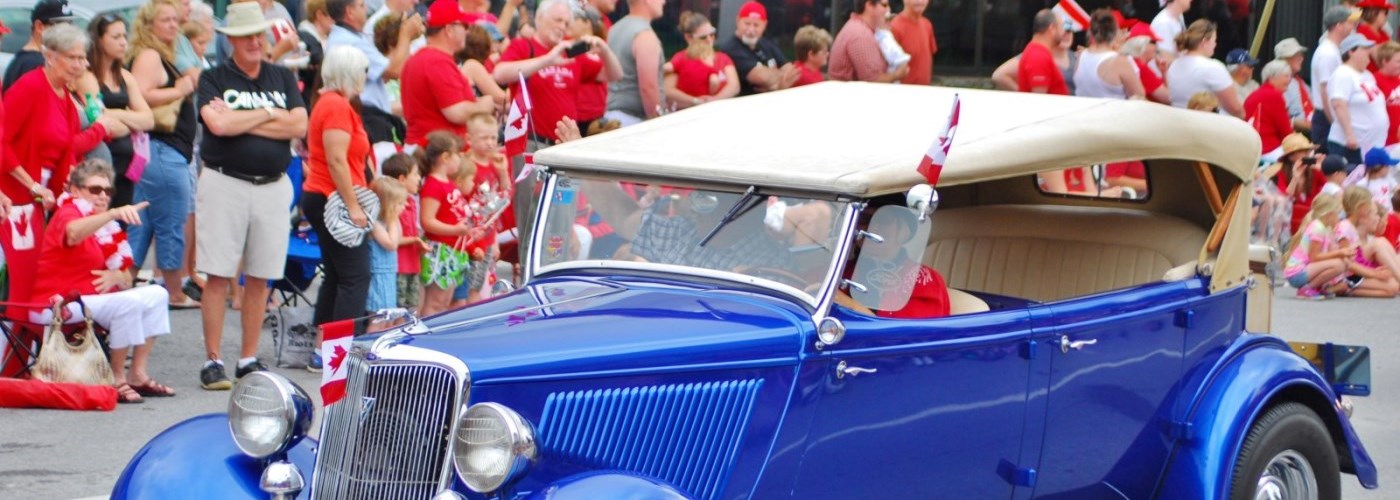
[267, 414]
[494, 445]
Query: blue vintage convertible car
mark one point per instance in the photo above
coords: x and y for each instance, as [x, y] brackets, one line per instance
[707, 313]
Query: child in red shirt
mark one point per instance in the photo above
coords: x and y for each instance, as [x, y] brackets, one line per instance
[444, 209]
[404, 169]
[481, 182]
[812, 46]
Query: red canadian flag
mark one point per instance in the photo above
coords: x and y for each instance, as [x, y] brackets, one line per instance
[334, 349]
[1070, 11]
[931, 166]
[518, 121]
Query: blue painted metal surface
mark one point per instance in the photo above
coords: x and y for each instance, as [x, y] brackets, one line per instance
[198, 459]
[1252, 373]
[938, 418]
[1103, 436]
[659, 387]
[686, 434]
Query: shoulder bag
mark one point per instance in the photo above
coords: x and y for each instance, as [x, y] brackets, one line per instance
[59, 361]
[168, 114]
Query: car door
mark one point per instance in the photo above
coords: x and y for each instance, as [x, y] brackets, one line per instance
[917, 408]
[1115, 360]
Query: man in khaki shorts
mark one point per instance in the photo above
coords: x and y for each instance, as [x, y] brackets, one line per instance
[251, 110]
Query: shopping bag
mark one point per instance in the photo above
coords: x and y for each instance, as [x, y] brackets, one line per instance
[141, 155]
[293, 335]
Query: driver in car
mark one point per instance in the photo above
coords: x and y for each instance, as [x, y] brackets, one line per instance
[892, 274]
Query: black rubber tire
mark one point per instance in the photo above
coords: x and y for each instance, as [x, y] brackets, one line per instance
[1287, 426]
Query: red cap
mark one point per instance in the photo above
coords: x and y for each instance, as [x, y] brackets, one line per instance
[1143, 29]
[752, 9]
[445, 12]
[1375, 4]
[1123, 22]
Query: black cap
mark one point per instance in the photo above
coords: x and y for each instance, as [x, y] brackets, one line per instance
[1333, 164]
[51, 11]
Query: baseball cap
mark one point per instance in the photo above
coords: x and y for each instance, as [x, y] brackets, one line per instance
[1295, 142]
[1354, 41]
[752, 9]
[51, 11]
[1337, 14]
[491, 30]
[1143, 29]
[1332, 164]
[1375, 4]
[444, 12]
[1379, 157]
[1240, 56]
[1289, 47]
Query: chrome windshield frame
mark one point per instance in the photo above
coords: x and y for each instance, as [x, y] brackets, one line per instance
[818, 301]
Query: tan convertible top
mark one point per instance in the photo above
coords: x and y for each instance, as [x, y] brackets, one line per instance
[866, 139]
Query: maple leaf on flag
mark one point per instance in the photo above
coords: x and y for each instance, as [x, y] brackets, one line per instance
[931, 165]
[337, 358]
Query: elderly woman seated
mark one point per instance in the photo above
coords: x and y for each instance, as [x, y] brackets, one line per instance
[84, 253]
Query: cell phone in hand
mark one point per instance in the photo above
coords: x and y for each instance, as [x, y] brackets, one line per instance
[577, 49]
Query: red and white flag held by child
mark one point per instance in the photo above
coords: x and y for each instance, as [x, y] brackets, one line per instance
[931, 166]
[1071, 12]
[335, 349]
[518, 121]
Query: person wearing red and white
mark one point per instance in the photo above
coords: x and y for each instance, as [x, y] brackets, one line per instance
[855, 54]
[1374, 15]
[1387, 76]
[84, 252]
[914, 33]
[1359, 120]
[699, 74]
[1298, 95]
[435, 94]
[811, 48]
[552, 77]
[1141, 47]
[1036, 70]
[1266, 109]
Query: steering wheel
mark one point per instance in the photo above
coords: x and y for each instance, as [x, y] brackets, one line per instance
[775, 274]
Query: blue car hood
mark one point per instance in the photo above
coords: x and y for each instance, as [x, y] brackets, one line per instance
[572, 326]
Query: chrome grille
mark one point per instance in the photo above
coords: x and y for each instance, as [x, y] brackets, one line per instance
[388, 438]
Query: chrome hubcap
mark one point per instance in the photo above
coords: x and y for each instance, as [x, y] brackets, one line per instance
[1288, 476]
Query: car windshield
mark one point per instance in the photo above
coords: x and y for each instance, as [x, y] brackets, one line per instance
[784, 239]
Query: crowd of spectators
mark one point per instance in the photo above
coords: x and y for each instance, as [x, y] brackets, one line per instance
[396, 117]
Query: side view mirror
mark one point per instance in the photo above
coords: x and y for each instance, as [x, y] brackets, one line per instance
[923, 199]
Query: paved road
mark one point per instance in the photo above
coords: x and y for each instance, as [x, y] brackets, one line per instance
[66, 455]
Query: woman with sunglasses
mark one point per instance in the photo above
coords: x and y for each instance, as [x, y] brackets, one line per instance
[699, 74]
[106, 86]
[84, 250]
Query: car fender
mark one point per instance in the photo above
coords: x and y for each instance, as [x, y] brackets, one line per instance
[1255, 372]
[612, 484]
[197, 458]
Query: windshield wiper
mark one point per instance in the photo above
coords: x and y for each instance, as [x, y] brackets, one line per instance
[740, 208]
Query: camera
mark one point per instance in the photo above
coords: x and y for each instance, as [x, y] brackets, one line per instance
[1310, 160]
[577, 49]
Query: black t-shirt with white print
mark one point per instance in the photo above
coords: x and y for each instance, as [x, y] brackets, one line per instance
[248, 154]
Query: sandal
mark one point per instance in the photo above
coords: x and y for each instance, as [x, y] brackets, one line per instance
[127, 395]
[189, 303]
[152, 389]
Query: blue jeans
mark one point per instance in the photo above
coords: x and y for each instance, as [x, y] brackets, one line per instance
[166, 184]
[1320, 128]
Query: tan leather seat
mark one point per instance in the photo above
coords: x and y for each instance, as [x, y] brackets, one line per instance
[1047, 253]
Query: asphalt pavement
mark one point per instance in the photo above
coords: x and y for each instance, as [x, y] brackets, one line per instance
[47, 454]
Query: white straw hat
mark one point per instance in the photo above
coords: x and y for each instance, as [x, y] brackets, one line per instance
[243, 19]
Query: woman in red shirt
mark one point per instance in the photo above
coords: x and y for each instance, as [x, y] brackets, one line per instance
[699, 74]
[43, 139]
[1300, 176]
[338, 148]
[85, 253]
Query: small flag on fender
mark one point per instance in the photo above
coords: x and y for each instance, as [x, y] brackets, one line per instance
[931, 166]
[335, 348]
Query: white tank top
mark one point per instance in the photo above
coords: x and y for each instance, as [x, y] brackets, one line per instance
[1087, 82]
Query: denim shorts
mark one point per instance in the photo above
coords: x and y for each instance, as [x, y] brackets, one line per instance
[1299, 280]
[166, 184]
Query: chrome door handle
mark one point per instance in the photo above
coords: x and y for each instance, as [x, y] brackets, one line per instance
[1066, 344]
[842, 370]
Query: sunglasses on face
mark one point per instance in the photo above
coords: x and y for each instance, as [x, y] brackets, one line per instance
[96, 190]
[710, 36]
